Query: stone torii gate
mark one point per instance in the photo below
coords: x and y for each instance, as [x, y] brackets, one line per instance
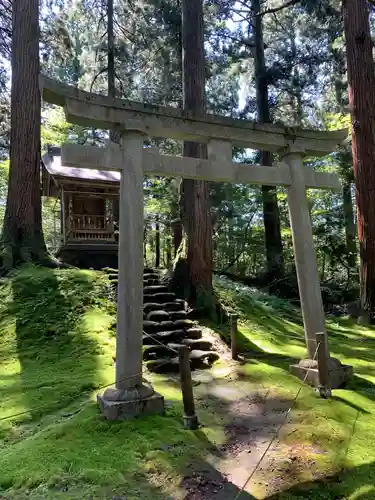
[132, 396]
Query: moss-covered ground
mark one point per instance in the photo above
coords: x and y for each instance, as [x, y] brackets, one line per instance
[56, 348]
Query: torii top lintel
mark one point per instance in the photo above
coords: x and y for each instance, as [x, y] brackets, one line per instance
[93, 110]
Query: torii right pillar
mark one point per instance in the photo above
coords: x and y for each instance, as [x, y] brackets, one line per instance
[308, 278]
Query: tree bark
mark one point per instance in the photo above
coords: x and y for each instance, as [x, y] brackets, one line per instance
[111, 72]
[271, 215]
[361, 80]
[349, 223]
[194, 201]
[22, 238]
[177, 230]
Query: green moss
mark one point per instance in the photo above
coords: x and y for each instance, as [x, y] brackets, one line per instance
[56, 348]
[272, 330]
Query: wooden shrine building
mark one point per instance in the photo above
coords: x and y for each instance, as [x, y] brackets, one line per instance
[89, 210]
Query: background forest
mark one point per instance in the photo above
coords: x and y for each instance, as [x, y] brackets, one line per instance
[264, 60]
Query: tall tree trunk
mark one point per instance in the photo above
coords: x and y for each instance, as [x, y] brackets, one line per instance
[177, 230]
[194, 201]
[271, 215]
[349, 223]
[111, 72]
[111, 51]
[361, 80]
[22, 238]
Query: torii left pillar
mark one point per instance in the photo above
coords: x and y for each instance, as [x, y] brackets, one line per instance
[132, 396]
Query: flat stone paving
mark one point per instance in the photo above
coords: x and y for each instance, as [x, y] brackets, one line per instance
[251, 418]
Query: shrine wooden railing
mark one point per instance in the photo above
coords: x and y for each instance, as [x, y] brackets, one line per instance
[83, 227]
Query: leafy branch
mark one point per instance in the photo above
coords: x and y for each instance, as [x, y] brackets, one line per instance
[290, 3]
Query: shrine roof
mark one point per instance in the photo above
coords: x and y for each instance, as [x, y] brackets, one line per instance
[52, 163]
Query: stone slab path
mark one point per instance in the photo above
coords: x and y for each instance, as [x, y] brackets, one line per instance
[250, 418]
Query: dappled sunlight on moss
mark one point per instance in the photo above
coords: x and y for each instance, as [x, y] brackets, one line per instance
[56, 353]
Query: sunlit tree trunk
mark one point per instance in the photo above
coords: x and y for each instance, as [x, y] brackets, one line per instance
[195, 203]
[22, 238]
[361, 80]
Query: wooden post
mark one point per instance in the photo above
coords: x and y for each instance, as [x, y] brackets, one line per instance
[324, 378]
[234, 335]
[190, 418]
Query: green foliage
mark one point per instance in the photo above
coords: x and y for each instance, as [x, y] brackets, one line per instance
[4, 172]
[305, 63]
[55, 129]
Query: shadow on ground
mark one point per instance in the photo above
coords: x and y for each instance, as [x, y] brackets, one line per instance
[353, 483]
[48, 307]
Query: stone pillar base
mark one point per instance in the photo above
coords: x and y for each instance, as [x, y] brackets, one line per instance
[126, 404]
[307, 369]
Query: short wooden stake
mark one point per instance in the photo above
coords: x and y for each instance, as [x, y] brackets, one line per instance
[190, 418]
[234, 335]
[324, 378]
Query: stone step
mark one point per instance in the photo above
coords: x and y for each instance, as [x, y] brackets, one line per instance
[177, 305]
[184, 323]
[197, 344]
[165, 337]
[151, 326]
[163, 365]
[166, 326]
[157, 350]
[158, 315]
[176, 315]
[150, 276]
[159, 297]
[167, 306]
[150, 290]
[174, 347]
[152, 306]
[168, 365]
[194, 333]
[150, 282]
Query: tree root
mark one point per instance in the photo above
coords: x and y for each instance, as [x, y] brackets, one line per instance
[12, 257]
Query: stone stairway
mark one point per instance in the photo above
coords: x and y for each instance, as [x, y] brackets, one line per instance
[167, 326]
